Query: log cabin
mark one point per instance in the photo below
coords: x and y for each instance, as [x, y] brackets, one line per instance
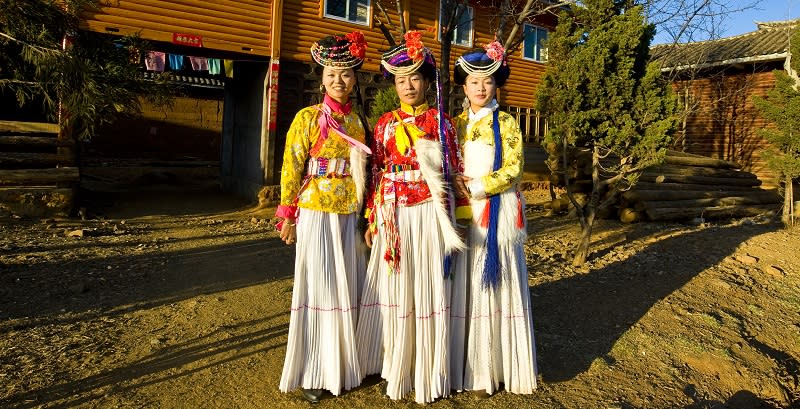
[715, 81]
[273, 75]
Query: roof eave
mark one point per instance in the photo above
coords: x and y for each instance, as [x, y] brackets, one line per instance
[742, 60]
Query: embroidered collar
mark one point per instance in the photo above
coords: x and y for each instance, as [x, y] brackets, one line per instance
[485, 111]
[336, 106]
[415, 111]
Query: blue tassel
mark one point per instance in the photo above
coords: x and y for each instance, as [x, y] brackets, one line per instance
[491, 266]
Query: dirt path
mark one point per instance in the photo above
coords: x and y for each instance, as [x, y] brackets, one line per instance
[173, 300]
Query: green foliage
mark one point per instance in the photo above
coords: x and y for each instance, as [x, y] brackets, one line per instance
[385, 100]
[90, 83]
[601, 92]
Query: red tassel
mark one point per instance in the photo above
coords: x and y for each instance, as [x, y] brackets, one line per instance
[520, 214]
[484, 220]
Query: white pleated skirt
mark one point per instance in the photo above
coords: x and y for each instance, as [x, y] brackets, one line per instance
[500, 341]
[328, 276]
[403, 331]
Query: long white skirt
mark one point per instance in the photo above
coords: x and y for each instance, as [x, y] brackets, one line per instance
[328, 273]
[500, 345]
[404, 317]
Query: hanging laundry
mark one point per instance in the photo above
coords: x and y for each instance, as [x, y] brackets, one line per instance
[214, 66]
[199, 63]
[175, 62]
[154, 61]
[228, 68]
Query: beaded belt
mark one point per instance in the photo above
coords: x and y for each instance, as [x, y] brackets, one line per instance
[328, 167]
[413, 175]
[399, 168]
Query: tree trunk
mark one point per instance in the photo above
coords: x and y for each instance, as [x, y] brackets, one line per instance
[589, 212]
[787, 216]
[444, 70]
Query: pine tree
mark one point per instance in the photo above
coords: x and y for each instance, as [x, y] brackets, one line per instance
[781, 106]
[600, 93]
[84, 78]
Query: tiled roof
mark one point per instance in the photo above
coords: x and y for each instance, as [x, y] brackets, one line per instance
[770, 42]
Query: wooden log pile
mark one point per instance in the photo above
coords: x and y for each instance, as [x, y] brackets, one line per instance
[38, 177]
[687, 187]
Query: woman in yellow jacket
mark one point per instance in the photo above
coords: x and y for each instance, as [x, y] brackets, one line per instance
[500, 344]
[322, 188]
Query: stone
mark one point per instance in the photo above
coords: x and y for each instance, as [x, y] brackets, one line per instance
[746, 259]
[76, 233]
[774, 271]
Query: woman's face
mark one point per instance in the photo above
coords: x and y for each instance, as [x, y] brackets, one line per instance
[480, 91]
[411, 88]
[338, 83]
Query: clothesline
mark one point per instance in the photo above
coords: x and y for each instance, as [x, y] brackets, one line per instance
[160, 61]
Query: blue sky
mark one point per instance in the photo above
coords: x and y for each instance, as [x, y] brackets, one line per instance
[741, 22]
[766, 10]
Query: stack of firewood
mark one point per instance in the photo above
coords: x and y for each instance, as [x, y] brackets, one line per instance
[687, 187]
[683, 187]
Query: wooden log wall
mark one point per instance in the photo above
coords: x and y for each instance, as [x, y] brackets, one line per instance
[240, 26]
[304, 23]
[38, 176]
[723, 122]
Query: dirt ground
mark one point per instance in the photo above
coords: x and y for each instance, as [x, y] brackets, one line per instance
[180, 300]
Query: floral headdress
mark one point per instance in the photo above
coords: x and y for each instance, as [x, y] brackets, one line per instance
[340, 51]
[483, 62]
[409, 57]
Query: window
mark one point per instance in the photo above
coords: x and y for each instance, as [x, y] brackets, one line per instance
[533, 45]
[462, 35]
[353, 11]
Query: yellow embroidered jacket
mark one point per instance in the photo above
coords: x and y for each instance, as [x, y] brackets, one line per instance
[323, 193]
[510, 172]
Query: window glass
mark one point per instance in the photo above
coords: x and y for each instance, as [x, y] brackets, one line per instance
[533, 45]
[354, 11]
[462, 35]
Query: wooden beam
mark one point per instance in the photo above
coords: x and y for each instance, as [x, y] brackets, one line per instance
[37, 127]
[33, 160]
[39, 177]
[34, 141]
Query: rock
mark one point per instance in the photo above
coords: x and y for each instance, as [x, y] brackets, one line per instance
[746, 259]
[774, 271]
[76, 233]
[255, 220]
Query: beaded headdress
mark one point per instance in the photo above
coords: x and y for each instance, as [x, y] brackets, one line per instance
[483, 62]
[409, 57]
[340, 51]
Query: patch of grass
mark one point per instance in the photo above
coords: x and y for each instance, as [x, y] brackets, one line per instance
[687, 344]
[755, 309]
[710, 320]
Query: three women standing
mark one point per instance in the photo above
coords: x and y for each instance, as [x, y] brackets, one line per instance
[500, 341]
[410, 325]
[322, 186]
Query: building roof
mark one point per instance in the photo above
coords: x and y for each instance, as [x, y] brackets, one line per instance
[770, 42]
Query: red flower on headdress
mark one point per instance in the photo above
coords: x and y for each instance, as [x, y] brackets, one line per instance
[414, 45]
[358, 46]
[495, 50]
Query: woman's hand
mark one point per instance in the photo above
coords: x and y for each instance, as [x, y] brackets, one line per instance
[289, 231]
[460, 186]
[368, 235]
